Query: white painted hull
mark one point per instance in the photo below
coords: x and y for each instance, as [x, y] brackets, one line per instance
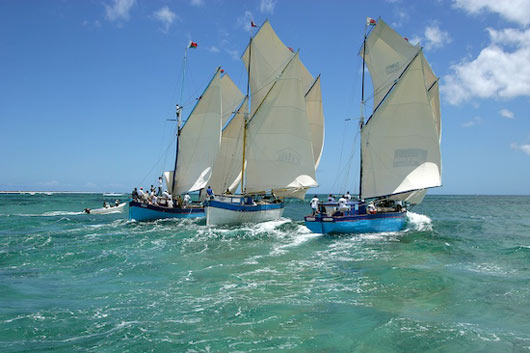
[220, 216]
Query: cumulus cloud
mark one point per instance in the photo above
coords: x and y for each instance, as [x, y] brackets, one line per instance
[214, 49]
[522, 148]
[506, 113]
[267, 6]
[473, 122]
[197, 3]
[435, 37]
[165, 16]
[119, 9]
[513, 10]
[500, 70]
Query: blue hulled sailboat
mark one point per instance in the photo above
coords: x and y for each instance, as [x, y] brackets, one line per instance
[400, 141]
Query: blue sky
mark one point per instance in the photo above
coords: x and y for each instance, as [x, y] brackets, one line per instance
[86, 86]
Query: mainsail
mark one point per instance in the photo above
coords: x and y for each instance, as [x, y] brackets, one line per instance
[400, 143]
[269, 57]
[280, 152]
[198, 141]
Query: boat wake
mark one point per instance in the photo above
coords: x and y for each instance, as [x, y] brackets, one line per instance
[50, 214]
[419, 222]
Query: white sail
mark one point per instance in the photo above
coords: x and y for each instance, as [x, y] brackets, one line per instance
[315, 115]
[400, 143]
[387, 54]
[232, 97]
[267, 58]
[199, 141]
[227, 168]
[279, 146]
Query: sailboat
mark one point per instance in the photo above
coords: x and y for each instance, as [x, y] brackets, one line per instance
[198, 143]
[400, 141]
[276, 136]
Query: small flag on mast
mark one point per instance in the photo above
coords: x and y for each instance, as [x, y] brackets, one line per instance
[291, 49]
[192, 44]
[252, 24]
[370, 21]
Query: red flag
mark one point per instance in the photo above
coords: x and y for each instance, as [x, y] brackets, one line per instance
[252, 24]
[370, 21]
[406, 39]
[222, 70]
[291, 49]
[192, 44]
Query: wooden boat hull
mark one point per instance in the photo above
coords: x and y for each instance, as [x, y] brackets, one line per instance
[144, 212]
[232, 213]
[365, 223]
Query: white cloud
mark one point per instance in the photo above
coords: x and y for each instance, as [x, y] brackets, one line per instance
[214, 49]
[267, 6]
[512, 10]
[244, 21]
[501, 70]
[119, 9]
[165, 16]
[473, 122]
[402, 17]
[197, 3]
[522, 148]
[435, 37]
[506, 113]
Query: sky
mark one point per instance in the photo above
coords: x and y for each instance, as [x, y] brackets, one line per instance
[87, 87]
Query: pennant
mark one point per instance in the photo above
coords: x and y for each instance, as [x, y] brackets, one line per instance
[406, 39]
[291, 49]
[370, 21]
[222, 71]
[192, 44]
[252, 24]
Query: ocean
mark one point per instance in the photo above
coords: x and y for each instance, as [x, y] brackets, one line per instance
[457, 279]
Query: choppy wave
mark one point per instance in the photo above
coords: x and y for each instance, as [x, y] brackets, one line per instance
[50, 214]
[419, 222]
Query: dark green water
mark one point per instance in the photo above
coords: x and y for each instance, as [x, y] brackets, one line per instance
[456, 280]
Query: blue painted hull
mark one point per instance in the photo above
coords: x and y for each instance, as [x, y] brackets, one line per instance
[237, 209]
[144, 212]
[366, 223]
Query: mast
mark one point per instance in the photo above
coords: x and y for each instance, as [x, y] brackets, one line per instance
[246, 118]
[361, 120]
[179, 119]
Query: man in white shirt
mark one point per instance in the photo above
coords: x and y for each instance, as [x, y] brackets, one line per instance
[314, 204]
[141, 194]
[342, 203]
[348, 196]
[187, 198]
[331, 198]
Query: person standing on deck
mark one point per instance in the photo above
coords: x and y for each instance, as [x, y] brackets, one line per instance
[314, 205]
[186, 200]
[210, 193]
[331, 198]
[347, 196]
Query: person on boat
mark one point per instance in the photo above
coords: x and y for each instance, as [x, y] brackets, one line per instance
[154, 200]
[141, 194]
[170, 202]
[343, 204]
[210, 193]
[105, 204]
[152, 188]
[227, 192]
[187, 198]
[371, 208]
[160, 182]
[347, 196]
[134, 194]
[314, 205]
[117, 203]
[87, 210]
[165, 195]
[331, 198]
[159, 193]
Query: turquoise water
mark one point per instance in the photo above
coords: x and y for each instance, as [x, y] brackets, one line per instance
[456, 280]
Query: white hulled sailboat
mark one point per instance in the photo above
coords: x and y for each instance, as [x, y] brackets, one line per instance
[400, 142]
[280, 136]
